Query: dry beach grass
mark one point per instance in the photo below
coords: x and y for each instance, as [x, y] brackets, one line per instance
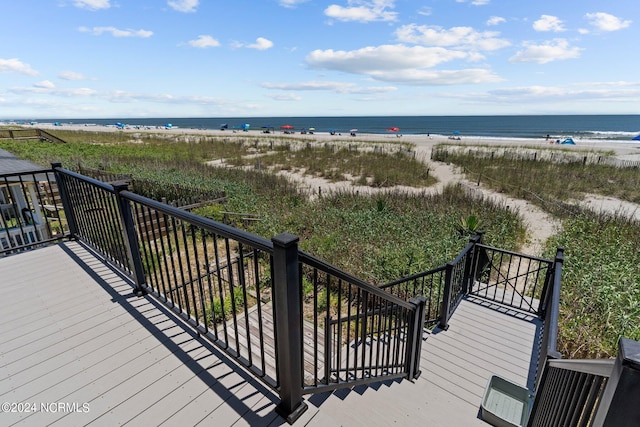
[540, 223]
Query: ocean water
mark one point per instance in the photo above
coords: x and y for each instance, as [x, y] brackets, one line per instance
[604, 127]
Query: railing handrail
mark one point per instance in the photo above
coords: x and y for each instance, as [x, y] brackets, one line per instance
[374, 290]
[508, 252]
[552, 307]
[28, 172]
[463, 252]
[599, 367]
[219, 228]
[414, 277]
[102, 185]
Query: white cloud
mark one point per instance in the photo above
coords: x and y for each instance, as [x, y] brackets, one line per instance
[546, 93]
[71, 75]
[186, 6]
[204, 41]
[290, 4]
[337, 87]
[92, 4]
[115, 32]
[363, 11]
[425, 11]
[48, 88]
[284, 97]
[548, 23]
[606, 22]
[382, 58]
[465, 37]
[475, 2]
[440, 77]
[495, 20]
[261, 44]
[554, 50]
[45, 84]
[401, 64]
[14, 65]
[121, 96]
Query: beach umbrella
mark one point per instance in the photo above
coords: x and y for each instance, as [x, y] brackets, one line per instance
[637, 138]
[393, 129]
[312, 129]
[353, 130]
[224, 126]
[245, 126]
[286, 127]
[456, 132]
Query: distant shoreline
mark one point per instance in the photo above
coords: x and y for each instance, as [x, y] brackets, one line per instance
[580, 127]
[628, 150]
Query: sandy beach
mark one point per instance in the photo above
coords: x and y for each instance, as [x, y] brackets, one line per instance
[627, 150]
[541, 224]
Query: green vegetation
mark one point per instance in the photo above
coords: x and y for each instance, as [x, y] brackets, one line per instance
[384, 236]
[600, 299]
[343, 164]
[223, 308]
[547, 183]
[376, 237]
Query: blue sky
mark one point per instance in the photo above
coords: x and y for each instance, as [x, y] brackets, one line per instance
[240, 58]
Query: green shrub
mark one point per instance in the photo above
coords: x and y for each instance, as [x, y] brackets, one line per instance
[226, 303]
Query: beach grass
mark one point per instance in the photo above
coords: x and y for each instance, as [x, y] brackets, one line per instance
[343, 164]
[379, 237]
[384, 236]
[600, 299]
[600, 296]
[549, 184]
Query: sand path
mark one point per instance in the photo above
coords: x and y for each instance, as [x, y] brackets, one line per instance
[540, 225]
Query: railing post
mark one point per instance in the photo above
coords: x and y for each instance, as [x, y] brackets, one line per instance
[554, 306]
[66, 202]
[470, 263]
[446, 297]
[619, 403]
[130, 238]
[287, 302]
[550, 309]
[416, 327]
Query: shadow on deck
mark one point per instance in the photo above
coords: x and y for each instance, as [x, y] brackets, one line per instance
[130, 360]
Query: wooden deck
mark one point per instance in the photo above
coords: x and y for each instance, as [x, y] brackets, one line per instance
[72, 333]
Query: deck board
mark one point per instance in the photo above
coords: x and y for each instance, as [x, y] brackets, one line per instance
[72, 331]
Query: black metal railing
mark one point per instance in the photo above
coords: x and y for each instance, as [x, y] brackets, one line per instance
[30, 211]
[361, 333]
[550, 309]
[429, 284]
[93, 215]
[570, 392]
[509, 278]
[442, 287]
[254, 298]
[299, 324]
[457, 277]
[590, 392]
